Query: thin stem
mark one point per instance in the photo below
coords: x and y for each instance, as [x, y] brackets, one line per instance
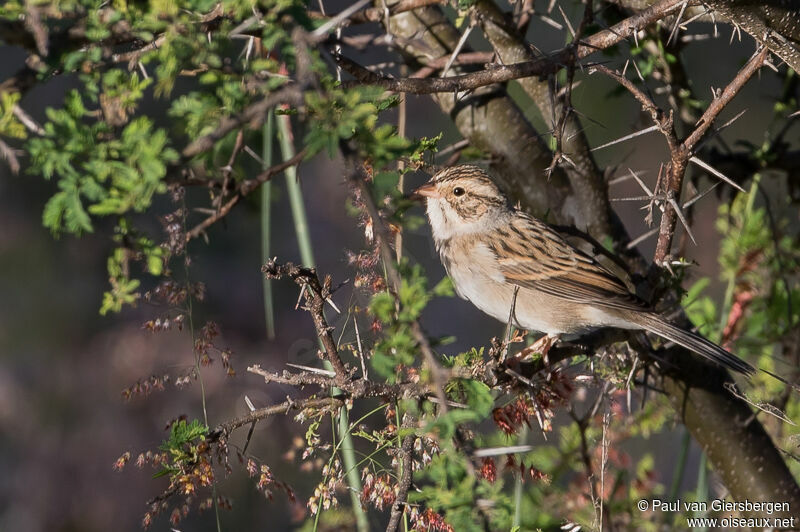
[523, 435]
[190, 315]
[266, 208]
[702, 485]
[307, 256]
[680, 466]
[295, 193]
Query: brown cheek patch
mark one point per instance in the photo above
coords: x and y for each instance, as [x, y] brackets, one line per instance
[470, 209]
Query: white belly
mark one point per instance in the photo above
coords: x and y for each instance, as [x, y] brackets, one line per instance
[484, 286]
[480, 282]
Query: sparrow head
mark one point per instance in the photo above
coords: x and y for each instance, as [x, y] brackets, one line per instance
[462, 200]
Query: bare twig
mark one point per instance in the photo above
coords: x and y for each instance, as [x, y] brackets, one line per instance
[502, 73]
[10, 155]
[27, 120]
[681, 152]
[244, 188]
[316, 293]
[332, 403]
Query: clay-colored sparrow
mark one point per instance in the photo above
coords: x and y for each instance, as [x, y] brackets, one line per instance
[488, 248]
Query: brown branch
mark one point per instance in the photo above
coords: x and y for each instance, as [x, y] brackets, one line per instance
[356, 388]
[226, 428]
[219, 214]
[33, 22]
[772, 23]
[244, 188]
[722, 99]
[398, 507]
[316, 295]
[566, 113]
[253, 116]
[10, 155]
[375, 14]
[502, 73]
[682, 151]
[662, 120]
[679, 161]
[464, 58]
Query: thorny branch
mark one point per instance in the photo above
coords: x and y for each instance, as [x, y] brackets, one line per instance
[682, 152]
[255, 114]
[316, 294]
[222, 430]
[406, 452]
[502, 73]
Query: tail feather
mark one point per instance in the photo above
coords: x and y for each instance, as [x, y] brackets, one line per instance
[696, 343]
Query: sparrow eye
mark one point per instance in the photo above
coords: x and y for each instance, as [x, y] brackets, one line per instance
[458, 191]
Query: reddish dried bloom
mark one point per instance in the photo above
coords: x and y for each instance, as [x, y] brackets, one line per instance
[121, 461]
[558, 392]
[209, 331]
[429, 521]
[146, 387]
[525, 471]
[488, 470]
[511, 417]
[251, 467]
[175, 517]
[172, 224]
[224, 503]
[380, 491]
[538, 475]
[266, 478]
[147, 520]
[169, 291]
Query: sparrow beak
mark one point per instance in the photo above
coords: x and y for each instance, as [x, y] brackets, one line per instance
[426, 191]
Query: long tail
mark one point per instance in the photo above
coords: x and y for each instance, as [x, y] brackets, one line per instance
[694, 342]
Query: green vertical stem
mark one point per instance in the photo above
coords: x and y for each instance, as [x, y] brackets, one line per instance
[295, 193]
[307, 256]
[266, 207]
[702, 486]
[523, 436]
[680, 467]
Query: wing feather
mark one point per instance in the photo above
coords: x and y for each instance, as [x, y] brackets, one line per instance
[533, 255]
